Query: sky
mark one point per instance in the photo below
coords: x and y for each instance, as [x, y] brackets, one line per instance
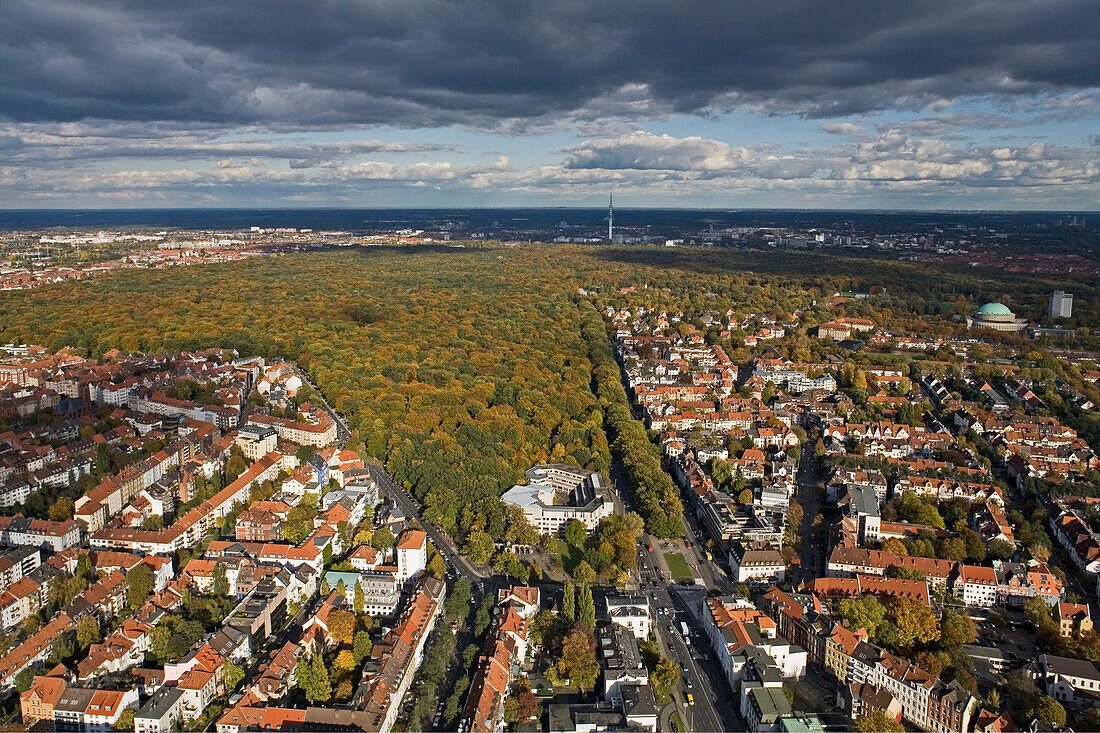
[901, 104]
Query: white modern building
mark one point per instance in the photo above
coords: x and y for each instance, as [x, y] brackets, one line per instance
[555, 494]
[1061, 304]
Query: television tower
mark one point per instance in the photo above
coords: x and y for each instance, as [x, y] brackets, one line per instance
[611, 216]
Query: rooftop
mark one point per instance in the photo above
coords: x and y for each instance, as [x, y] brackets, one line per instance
[995, 309]
[162, 701]
[771, 702]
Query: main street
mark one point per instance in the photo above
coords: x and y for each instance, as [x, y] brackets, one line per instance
[671, 605]
[700, 674]
[712, 575]
[812, 561]
[409, 505]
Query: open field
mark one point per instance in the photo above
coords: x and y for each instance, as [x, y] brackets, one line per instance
[677, 565]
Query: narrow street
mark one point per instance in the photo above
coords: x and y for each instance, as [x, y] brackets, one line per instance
[451, 555]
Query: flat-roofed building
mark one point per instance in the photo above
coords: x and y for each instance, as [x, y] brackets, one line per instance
[556, 493]
[261, 613]
[256, 441]
[764, 708]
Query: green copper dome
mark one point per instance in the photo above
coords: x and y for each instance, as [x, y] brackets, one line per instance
[994, 309]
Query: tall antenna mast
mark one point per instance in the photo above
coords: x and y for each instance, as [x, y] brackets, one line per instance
[611, 216]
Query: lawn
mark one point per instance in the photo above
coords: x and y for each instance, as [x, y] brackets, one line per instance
[570, 556]
[677, 565]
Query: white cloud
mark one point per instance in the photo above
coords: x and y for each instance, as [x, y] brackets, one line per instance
[843, 128]
[890, 168]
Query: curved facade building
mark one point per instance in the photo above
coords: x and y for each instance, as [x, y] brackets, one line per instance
[998, 317]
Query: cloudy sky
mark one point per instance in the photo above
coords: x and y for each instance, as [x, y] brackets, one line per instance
[728, 103]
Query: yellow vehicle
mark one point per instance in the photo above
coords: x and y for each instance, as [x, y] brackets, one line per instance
[690, 699]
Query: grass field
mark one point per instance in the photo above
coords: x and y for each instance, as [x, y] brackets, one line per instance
[677, 565]
[570, 556]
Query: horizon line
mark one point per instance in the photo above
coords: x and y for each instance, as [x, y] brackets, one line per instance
[545, 207]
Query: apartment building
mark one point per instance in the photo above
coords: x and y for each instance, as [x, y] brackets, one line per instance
[732, 627]
[318, 434]
[1074, 619]
[256, 441]
[160, 712]
[399, 655]
[20, 531]
[756, 564]
[189, 529]
[505, 646]
[975, 585]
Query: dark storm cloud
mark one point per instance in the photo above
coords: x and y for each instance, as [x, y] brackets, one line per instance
[348, 62]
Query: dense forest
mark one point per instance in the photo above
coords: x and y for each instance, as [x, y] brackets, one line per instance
[462, 366]
[458, 368]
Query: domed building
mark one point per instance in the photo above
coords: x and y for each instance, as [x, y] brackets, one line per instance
[998, 317]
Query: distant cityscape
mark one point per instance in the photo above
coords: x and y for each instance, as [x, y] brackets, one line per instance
[47, 255]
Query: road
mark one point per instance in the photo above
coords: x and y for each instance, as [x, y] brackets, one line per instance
[401, 496]
[409, 505]
[812, 561]
[700, 674]
[713, 576]
[670, 604]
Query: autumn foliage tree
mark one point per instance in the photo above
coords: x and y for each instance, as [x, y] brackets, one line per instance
[341, 626]
[578, 661]
[915, 622]
[878, 721]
